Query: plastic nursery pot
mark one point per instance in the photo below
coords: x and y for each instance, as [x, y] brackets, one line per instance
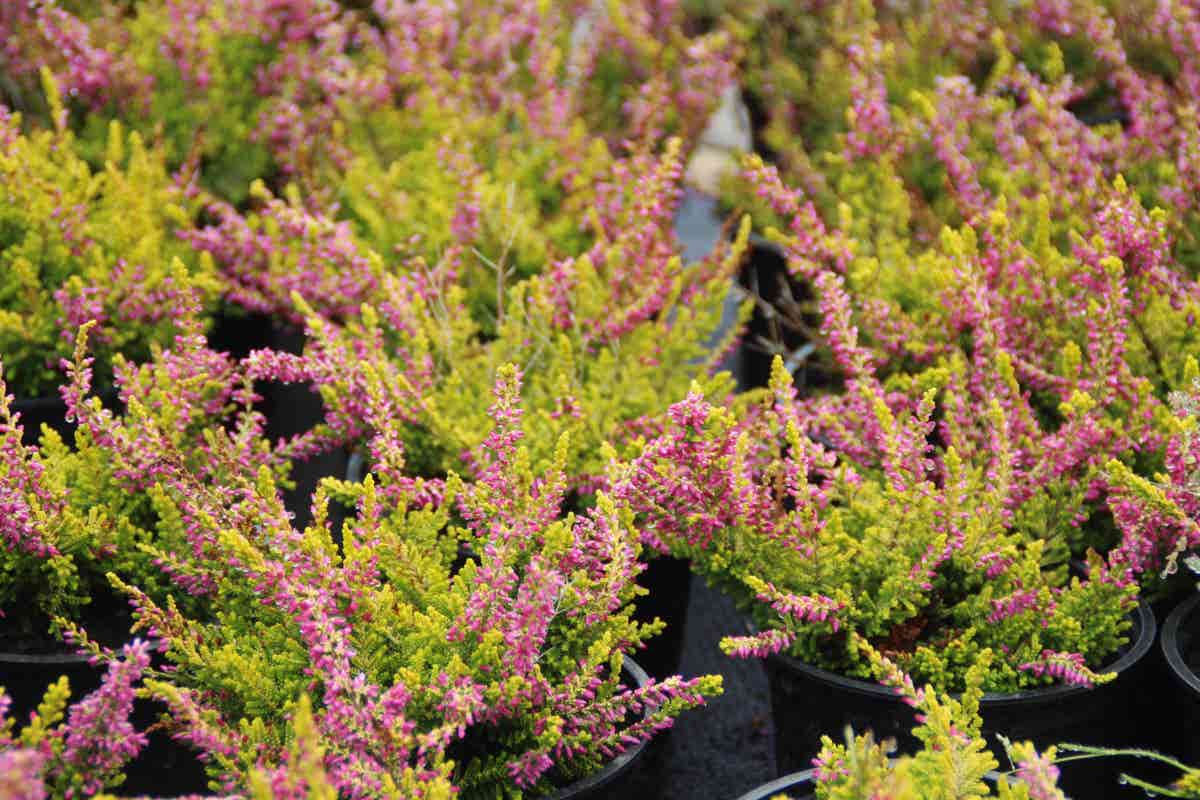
[797, 786]
[808, 702]
[780, 324]
[619, 779]
[1181, 647]
[163, 768]
[669, 583]
[295, 409]
[38, 411]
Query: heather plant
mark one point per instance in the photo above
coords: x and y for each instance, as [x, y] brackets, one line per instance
[929, 552]
[78, 244]
[472, 631]
[600, 338]
[1092, 329]
[73, 512]
[488, 153]
[953, 762]
[1006, 158]
[76, 750]
[238, 90]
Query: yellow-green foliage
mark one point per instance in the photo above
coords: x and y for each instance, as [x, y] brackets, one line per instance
[77, 244]
[953, 763]
[577, 379]
[431, 180]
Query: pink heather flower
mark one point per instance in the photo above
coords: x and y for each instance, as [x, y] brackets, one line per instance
[1067, 667]
[1040, 775]
[758, 645]
[1013, 605]
[21, 774]
[100, 738]
[815, 609]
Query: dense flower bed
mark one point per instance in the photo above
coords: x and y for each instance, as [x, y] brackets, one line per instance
[465, 211]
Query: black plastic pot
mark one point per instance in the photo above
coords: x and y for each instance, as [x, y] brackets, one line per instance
[25, 678]
[38, 411]
[294, 409]
[52, 412]
[163, 768]
[669, 581]
[1181, 648]
[616, 779]
[756, 110]
[808, 702]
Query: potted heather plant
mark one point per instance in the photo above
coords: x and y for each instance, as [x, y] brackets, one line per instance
[78, 244]
[953, 760]
[1158, 521]
[930, 552]
[922, 140]
[599, 338]
[73, 514]
[985, 287]
[460, 622]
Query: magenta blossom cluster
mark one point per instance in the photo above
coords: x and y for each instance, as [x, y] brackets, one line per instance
[1160, 520]
[285, 248]
[83, 754]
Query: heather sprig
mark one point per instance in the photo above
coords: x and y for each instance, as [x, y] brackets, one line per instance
[77, 750]
[78, 244]
[1159, 518]
[479, 626]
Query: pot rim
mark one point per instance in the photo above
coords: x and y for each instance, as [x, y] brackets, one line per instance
[66, 659]
[619, 765]
[790, 781]
[1143, 619]
[778, 785]
[1170, 643]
